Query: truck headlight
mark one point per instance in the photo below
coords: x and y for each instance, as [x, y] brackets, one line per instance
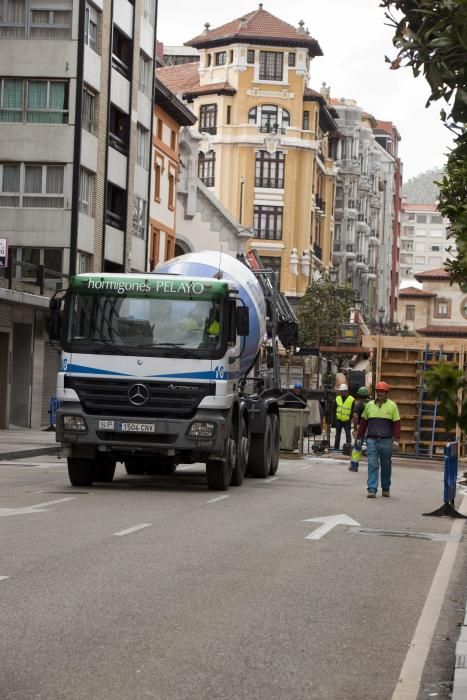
[74, 424]
[199, 430]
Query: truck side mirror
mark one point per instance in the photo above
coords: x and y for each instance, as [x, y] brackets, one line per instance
[55, 320]
[243, 320]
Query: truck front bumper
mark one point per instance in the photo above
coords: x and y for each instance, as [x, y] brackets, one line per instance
[205, 434]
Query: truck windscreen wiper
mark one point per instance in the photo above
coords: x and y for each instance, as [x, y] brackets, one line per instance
[107, 345]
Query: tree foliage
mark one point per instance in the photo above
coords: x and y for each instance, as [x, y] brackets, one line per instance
[431, 38]
[322, 309]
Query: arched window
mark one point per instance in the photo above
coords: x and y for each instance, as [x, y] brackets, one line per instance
[269, 118]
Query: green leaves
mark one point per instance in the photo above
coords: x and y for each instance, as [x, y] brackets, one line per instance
[443, 383]
[320, 311]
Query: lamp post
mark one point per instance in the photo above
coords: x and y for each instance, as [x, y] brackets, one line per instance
[381, 311]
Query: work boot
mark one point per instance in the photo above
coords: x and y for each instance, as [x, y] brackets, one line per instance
[371, 494]
[386, 493]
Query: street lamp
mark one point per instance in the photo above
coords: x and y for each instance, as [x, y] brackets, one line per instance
[381, 312]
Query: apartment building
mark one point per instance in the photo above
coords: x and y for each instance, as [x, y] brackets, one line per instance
[437, 310]
[265, 146]
[76, 110]
[366, 209]
[423, 243]
[169, 116]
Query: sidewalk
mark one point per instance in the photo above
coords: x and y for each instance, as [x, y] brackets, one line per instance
[24, 442]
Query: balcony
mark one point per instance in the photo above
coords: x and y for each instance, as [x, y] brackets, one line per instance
[271, 129]
[350, 251]
[270, 182]
[208, 130]
[320, 205]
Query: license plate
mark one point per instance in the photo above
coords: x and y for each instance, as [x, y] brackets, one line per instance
[135, 427]
[106, 425]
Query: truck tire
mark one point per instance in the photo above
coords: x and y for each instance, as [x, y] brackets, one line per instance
[243, 445]
[80, 471]
[104, 470]
[218, 475]
[276, 440]
[259, 461]
[134, 466]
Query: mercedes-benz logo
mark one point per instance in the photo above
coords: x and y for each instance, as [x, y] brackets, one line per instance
[138, 394]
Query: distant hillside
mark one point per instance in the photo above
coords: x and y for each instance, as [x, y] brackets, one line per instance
[421, 188]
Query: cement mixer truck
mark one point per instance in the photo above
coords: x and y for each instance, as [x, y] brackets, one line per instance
[154, 369]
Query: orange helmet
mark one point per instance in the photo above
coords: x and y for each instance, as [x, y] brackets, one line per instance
[382, 386]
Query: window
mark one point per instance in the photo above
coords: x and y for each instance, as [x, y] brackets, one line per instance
[291, 60]
[91, 27]
[88, 114]
[208, 118]
[154, 247]
[34, 101]
[25, 18]
[270, 169]
[250, 56]
[160, 129]
[172, 189]
[50, 24]
[118, 129]
[231, 56]
[169, 246]
[220, 58]
[139, 217]
[271, 118]
[142, 147]
[84, 262]
[206, 168]
[145, 74]
[406, 245]
[435, 247]
[306, 121]
[149, 11]
[31, 185]
[27, 260]
[86, 192]
[173, 140]
[436, 219]
[121, 52]
[271, 65]
[442, 308]
[115, 214]
[421, 218]
[410, 312]
[411, 217]
[228, 116]
[158, 166]
[267, 222]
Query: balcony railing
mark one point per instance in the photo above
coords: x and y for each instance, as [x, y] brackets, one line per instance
[271, 129]
[207, 181]
[320, 203]
[114, 219]
[274, 182]
[208, 129]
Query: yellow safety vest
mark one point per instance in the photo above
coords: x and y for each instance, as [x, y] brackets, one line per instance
[344, 408]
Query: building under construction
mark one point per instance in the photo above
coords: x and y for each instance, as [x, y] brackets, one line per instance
[403, 362]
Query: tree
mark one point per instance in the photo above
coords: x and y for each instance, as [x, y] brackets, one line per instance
[322, 309]
[431, 38]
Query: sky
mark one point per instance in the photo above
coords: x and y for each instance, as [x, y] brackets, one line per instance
[354, 39]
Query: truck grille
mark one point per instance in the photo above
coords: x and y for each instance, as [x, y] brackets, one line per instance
[109, 397]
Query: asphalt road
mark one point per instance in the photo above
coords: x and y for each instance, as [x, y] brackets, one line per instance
[155, 587]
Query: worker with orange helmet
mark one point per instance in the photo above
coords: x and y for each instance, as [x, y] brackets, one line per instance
[382, 424]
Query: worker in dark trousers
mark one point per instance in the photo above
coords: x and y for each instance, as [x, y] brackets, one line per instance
[344, 410]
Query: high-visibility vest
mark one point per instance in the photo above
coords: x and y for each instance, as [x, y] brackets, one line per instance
[344, 408]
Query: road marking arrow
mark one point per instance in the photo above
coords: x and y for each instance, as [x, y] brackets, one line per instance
[27, 510]
[329, 521]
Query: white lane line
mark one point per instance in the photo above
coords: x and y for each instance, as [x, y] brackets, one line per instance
[305, 469]
[4, 578]
[38, 508]
[269, 479]
[215, 500]
[410, 677]
[132, 529]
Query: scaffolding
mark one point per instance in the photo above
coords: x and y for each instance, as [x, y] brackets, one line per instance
[426, 431]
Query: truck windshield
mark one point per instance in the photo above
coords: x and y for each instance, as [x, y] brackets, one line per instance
[142, 323]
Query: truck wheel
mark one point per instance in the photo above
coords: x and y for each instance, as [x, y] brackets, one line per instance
[259, 461]
[218, 475]
[238, 472]
[104, 470]
[134, 466]
[80, 471]
[276, 439]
